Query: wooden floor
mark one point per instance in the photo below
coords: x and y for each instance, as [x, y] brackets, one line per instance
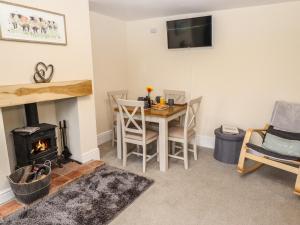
[59, 178]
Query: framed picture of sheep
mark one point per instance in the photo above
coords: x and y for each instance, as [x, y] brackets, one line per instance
[27, 24]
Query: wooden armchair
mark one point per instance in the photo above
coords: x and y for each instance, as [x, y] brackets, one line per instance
[261, 156]
[244, 154]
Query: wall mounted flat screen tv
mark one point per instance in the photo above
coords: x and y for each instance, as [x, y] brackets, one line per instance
[189, 33]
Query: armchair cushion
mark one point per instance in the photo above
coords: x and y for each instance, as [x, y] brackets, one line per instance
[271, 138]
[282, 145]
[283, 134]
[271, 154]
[282, 142]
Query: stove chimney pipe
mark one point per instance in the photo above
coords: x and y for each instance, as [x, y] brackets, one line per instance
[32, 116]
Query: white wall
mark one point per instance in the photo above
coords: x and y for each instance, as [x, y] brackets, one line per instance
[110, 68]
[254, 61]
[71, 62]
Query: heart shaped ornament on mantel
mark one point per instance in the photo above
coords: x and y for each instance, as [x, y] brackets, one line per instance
[43, 73]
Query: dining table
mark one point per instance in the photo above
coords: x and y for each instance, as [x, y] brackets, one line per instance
[160, 117]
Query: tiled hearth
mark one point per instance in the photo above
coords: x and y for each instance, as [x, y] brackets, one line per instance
[60, 177]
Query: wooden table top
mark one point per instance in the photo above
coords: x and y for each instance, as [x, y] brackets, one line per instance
[160, 113]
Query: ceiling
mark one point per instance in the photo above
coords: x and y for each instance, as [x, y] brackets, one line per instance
[142, 9]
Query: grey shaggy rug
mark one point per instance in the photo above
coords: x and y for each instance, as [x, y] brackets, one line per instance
[92, 200]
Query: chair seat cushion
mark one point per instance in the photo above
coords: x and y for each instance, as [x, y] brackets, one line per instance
[178, 132]
[149, 135]
[281, 145]
[270, 153]
[282, 142]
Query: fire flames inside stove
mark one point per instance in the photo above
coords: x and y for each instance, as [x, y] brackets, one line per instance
[40, 146]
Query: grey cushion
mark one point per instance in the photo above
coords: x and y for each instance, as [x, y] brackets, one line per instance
[283, 134]
[281, 145]
[271, 154]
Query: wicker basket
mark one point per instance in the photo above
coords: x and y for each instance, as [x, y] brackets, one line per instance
[29, 192]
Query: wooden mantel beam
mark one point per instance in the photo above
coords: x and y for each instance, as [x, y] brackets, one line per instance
[21, 94]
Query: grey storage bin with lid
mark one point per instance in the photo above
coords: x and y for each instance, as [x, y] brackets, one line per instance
[228, 146]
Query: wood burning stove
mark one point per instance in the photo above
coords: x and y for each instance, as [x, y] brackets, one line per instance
[38, 146]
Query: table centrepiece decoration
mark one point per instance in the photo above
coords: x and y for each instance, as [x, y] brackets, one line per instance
[149, 90]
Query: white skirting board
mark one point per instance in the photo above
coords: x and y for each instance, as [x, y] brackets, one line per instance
[206, 141]
[104, 137]
[93, 154]
[203, 141]
[6, 195]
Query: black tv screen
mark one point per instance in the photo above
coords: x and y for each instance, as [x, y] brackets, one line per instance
[189, 33]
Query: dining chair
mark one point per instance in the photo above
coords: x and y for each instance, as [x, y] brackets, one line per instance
[178, 96]
[186, 133]
[134, 131]
[113, 96]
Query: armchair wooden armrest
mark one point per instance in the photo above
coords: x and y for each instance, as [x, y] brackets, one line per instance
[241, 169]
[250, 131]
[262, 129]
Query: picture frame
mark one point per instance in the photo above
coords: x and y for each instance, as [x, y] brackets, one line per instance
[27, 24]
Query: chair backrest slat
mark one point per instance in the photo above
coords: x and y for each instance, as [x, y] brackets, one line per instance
[128, 109]
[192, 110]
[178, 96]
[113, 96]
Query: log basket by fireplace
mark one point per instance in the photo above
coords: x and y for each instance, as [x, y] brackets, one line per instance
[29, 192]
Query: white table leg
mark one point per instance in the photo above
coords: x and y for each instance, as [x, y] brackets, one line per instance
[119, 137]
[163, 144]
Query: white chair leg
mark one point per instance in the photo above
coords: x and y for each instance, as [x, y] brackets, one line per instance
[185, 155]
[113, 137]
[144, 158]
[124, 154]
[195, 149]
[173, 144]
